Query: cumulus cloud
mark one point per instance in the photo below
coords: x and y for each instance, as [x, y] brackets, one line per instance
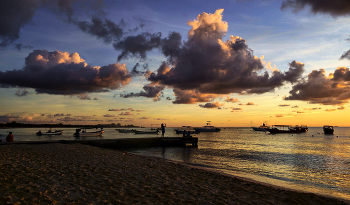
[108, 115]
[65, 74]
[191, 97]
[321, 89]
[334, 8]
[236, 109]
[250, 103]
[208, 65]
[150, 91]
[212, 105]
[233, 100]
[125, 113]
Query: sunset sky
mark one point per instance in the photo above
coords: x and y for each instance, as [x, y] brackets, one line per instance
[234, 63]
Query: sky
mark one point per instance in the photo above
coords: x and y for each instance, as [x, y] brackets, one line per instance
[236, 63]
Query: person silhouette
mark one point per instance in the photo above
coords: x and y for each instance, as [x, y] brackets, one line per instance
[9, 137]
[163, 129]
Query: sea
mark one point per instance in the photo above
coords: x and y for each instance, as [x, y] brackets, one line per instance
[313, 161]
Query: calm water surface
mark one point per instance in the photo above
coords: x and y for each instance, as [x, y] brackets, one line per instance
[309, 161]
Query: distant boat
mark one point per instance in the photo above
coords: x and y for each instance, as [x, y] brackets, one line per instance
[146, 132]
[56, 132]
[186, 129]
[207, 128]
[327, 129]
[83, 133]
[276, 129]
[126, 131]
[262, 128]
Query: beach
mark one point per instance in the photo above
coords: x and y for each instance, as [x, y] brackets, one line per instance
[76, 173]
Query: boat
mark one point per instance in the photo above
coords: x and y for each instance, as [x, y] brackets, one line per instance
[262, 128]
[327, 129]
[56, 132]
[146, 132]
[83, 133]
[126, 131]
[301, 128]
[207, 128]
[276, 129]
[185, 129]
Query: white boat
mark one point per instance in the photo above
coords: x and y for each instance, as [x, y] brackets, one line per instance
[83, 133]
[185, 129]
[262, 128]
[56, 132]
[207, 128]
[146, 132]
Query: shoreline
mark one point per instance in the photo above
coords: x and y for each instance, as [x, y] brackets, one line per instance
[76, 173]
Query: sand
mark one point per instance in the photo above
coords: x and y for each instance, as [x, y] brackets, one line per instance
[76, 173]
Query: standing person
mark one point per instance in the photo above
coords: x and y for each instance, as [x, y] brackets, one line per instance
[9, 137]
[163, 129]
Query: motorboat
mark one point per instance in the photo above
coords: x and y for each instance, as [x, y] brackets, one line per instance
[276, 129]
[207, 128]
[327, 129]
[302, 128]
[262, 128]
[82, 132]
[185, 129]
[147, 132]
[50, 132]
[126, 131]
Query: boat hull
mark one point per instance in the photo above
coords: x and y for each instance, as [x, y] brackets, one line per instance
[328, 131]
[277, 131]
[89, 134]
[183, 131]
[146, 132]
[259, 129]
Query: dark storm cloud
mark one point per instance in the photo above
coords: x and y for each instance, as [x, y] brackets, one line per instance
[346, 55]
[21, 93]
[205, 64]
[137, 46]
[150, 91]
[65, 74]
[322, 89]
[334, 7]
[104, 29]
[15, 14]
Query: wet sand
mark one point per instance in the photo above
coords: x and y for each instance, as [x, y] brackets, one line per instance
[76, 173]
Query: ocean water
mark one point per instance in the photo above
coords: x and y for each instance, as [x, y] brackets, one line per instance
[311, 161]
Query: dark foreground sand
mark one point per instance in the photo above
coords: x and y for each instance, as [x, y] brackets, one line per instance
[75, 173]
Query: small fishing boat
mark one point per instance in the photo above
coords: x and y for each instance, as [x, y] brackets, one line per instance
[207, 128]
[50, 132]
[262, 128]
[277, 129]
[83, 133]
[185, 129]
[125, 130]
[327, 129]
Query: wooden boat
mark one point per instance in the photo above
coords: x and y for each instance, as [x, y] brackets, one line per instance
[262, 128]
[56, 132]
[83, 133]
[276, 129]
[327, 129]
[207, 128]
